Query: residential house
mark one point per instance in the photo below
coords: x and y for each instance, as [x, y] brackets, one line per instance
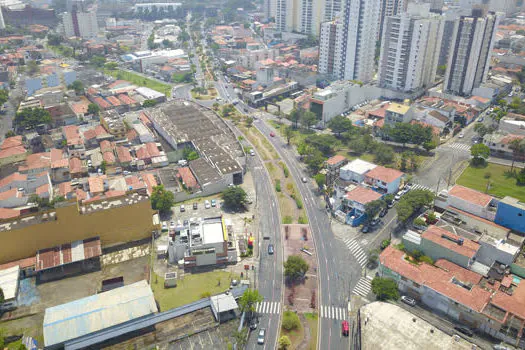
[12, 151]
[468, 200]
[333, 166]
[59, 166]
[397, 113]
[511, 214]
[356, 170]
[36, 163]
[500, 144]
[512, 123]
[384, 179]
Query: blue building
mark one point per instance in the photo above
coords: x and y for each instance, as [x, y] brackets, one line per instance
[33, 84]
[69, 77]
[511, 214]
[52, 80]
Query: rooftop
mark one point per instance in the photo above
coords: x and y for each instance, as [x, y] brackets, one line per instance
[213, 231]
[9, 281]
[398, 108]
[470, 195]
[68, 253]
[384, 174]
[451, 241]
[359, 166]
[335, 159]
[84, 316]
[362, 195]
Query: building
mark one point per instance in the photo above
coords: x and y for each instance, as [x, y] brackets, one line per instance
[75, 319]
[2, 23]
[353, 57]
[333, 167]
[81, 22]
[449, 18]
[469, 57]
[299, 16]
[410, 48]
[9, 279]
[223, 306]
[385, 180]
[358, 197]
[20, 16]
[500, 143]
[468, 200]
[113, 123]
[513, 124]
[511, 213]
[164, 6]
[397, 113]
[356, 170]
[509, 7]
[269, 8]
[390, 8]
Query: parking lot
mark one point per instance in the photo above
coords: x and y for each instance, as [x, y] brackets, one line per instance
[214, 338]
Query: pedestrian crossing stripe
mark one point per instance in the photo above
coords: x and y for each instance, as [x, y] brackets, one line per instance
[268, 307]
[357, 251]
[363, 286]
[421, 187]
[459, 146]
[333, 312]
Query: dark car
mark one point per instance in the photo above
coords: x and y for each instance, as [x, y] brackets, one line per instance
[365, 228]
[270, 249]
[465, 330]
[253, 324]
[383, 212]
[195, 206]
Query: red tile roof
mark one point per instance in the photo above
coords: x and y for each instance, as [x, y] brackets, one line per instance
[362, 195]
[109, 157]
[103, 104]
[12, 141]
[123, 154]
[113, 100]
[12, 178]
[63, 254]
[153, 150]
[470, 195]
[42, 189]
[75, 166]
[461, 273]
[12, 193]
[65, 188]
[100, 131]
[90, 134]
[12, 151]
[384, 174]
[125, 99]
[150, 182]
[335, 160]
[23, 263]
[106, 146]
[6, 213]
[96, 184]
[437, 235]
[36, 161]
[73, 136]
[187, 177]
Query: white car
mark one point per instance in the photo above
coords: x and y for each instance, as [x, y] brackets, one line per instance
[207, 204]
[408, 300]
[461, 135]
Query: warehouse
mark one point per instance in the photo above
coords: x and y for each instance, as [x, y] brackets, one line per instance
[72, 320]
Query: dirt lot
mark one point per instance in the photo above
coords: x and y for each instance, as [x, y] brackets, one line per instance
[34, 299]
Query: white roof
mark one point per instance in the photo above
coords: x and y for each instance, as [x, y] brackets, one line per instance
[359, 166]
[212, 232]
[9, 281]
[148, 93]
[223, 302]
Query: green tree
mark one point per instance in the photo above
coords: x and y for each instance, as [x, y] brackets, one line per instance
[4, 96]
[111, 65]
[323, 142]
[480, 153]
[162, 199]
[77, 86]
[227, 110]
[54, 40]
[149, 103]
[384, 154]
[340, 124]
[373, 208]
[103, 166]
[248, 300]
[32, 67]
[10, 133]
[481, 129]
[314, 159]
[98, 61]
[294, 116]
[241, 337]
[284, 343]
[290, 320]
[234, 197]
[412, 202]
[308, 119]
[320, 180]
[2, 298]
[31, 117]
[289, 134]
[518, 150]
[385, 288]
[93, 108]
[295, 267]
[190, 154]
[442, 69]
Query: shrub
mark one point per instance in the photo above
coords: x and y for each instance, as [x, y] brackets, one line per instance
[290, 320]
[205, 295]
[286, 171]
[278, 185]
[426, 259]
[420, 222]
[287, 220]
[299, 203]
[385, 288]
[385, 243]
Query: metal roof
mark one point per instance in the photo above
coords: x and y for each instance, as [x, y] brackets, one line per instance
[97, 312]
[68, 253]
[9, 281]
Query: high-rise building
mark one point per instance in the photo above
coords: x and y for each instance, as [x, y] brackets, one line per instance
[450, 17]
[284, 15]
[81, 22]
[2, 23]
[410, 47]
[331, 9]
[269, 8]
[346, 49]
[390, 8]
[470, 50]
[304, 16]
[507, 6]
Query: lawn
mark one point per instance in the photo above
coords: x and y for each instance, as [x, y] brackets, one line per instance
[191, 288]
[296, 336]
[140, 80]
[311, 318]
[500, 184]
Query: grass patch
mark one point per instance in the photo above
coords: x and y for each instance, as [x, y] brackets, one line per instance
[312, 320]
[191, 288]
[140, 80]
[285, 169]
[500, 184]
[296, 335]
[278, 185]
[287, 220]
[302, 220]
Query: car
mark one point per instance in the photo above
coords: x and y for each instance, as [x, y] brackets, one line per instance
[390, 205]
[461, 135]
[213, 203]
[270, 249]
[408, 300]
[398, 195]
[186, 223]
[375, 222]
[272, 134]
[345, 328]
[501, 347]
[172, 225]
[182, 209]
[9, 306]
[164, 227]
[383, 212]
[480, 119]
[409, 185]
[207, 204]
[252, 152]
[304, 179]
[465, 330]
[253, 324]
[365, 228]
[260, 336]
[195, 206]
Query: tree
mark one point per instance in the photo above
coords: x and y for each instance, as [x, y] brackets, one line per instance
[323, 142]
[54, 40]
[289, 134]
[10, 133]
[308, 119]
[31, 117]
[412, 202]
[284, 343]
[98, 61]
[2, 298]
[295, 115]
[241, 337]
[320, 180]
[295, 267]
[249, 299]
[518, 149]
[111, 65]
[227, 110]
[340, 124]
[480, 153]
[77, 86]
[290, 320]
[215, 106]
[481, 129]
[314, 159]
[234, 197]
[162, 199]
[93, 108]
[32, 67]
[384, 154]
[4, 96]
[373, 208]
[149, 103]
[190, 154]
[385, 288]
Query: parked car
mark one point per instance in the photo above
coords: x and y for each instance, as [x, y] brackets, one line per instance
[270, 249]
[408, 300]
[213, 203]
[383, 212]
[252, 152]
[207, 204]
[164, 227]
[480, 119]
[172, 225]
[186, 223]
[398, 195]
[465, 330]
[345, 328]
[374, 222]
[182, 209]
[195, 206]
[365, 228]
[461, 135]
[253, 324]
[390, 204]
[272, 134]
[260, 336]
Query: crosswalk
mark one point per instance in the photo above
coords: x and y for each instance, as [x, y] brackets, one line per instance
[357, 251]
[459, 146]
[333, 312]
[363, 286]
[421, 187]
[268, 307]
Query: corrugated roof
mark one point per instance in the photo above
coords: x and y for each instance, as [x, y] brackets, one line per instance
[94, 313]
[68, 253]
[9, 281]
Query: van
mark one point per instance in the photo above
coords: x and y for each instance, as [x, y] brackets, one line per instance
[182, 162]
[345, 328]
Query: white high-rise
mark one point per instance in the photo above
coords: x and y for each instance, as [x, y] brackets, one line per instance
[303, 16]
[2, 23]
[269, 8]
[390, 8]
[470, 51]
[410, 48]
[81, 22]
[351, 36]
